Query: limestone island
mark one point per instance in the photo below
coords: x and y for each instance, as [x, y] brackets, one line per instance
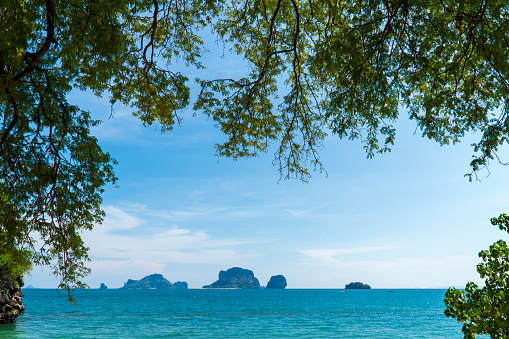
[10, 297]
[236, 277]
[150, 282]
[357, 286]
[103, 287]
[276, 282]
[181, 285]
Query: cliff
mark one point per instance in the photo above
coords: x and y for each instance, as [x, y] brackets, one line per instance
[357, 286]
[235, 277]
[181, 285]
[277, 282]
[10, 302]
[154, 281]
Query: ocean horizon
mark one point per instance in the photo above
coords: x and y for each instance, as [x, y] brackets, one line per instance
[234, 313]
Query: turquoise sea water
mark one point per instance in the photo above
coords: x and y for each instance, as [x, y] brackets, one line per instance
[288, 313]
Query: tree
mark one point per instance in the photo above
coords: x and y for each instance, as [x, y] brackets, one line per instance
[485, 310]
[52, 171]
[348, 67]
[340, 67]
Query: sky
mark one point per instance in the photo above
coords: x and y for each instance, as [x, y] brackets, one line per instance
[405, 219]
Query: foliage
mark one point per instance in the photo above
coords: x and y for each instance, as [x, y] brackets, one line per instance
[15, 266]
[485, 310]
[347, 67]
[52, 171]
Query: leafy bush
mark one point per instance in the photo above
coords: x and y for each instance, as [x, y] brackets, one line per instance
[485, 310]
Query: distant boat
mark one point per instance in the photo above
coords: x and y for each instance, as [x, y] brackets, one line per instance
[343, 291]
[390, 291]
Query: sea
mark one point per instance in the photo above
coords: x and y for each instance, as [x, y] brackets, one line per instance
[229, 313]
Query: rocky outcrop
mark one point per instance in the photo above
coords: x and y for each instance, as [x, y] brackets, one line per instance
[154, 281]
[103, 287]
[10, 297]
[357, 286]
[181, 285]
[235, 277]
[277, 282]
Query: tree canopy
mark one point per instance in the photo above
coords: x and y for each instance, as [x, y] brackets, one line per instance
[316, 68]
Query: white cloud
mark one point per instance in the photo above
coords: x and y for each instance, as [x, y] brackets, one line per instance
[328, 256]
[117, 219]
[120, 243]
[298, 213]
[109, 265]
[201, 211]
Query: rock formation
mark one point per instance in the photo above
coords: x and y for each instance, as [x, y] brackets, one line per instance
[181, 285]
[103, 287]
[357, 286]
[235, 277]
[10, 297]
[277, 282]
[154, 281]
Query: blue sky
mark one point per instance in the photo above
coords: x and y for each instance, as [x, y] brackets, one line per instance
[406, 219]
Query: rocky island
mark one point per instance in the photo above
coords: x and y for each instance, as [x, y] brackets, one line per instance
[357, 286]
[154, 281]
[235, 277]
[181, 285]
[10, 302]
[277, 282]
[103, 287]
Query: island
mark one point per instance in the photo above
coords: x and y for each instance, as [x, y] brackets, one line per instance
[154, 281]
[357, 286]
[103, 287]
[181, 285]
[276, 282]
[11, 305]
[236, 277]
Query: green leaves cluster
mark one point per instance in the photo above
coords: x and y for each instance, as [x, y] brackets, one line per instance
[18, 265]
[485, 310]
[52, 171]
[349, 66]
